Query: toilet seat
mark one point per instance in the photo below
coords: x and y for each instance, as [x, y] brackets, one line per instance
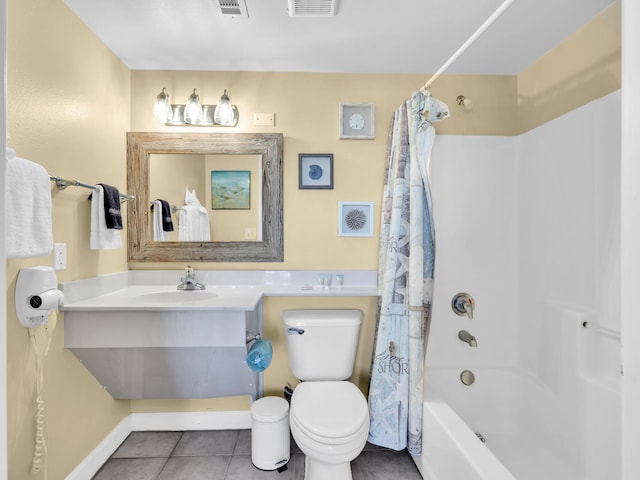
[335, 444]
[331, 413]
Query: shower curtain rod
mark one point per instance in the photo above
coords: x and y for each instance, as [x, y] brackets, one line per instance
[467, 44]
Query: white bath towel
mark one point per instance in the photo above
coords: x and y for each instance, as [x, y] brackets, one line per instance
[159, 235]
[28, 209]
[101, 237]
[194, 220]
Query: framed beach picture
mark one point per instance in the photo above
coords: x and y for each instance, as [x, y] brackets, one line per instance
[315, 170]
[358, 121]
[230, 189]
[355, 219]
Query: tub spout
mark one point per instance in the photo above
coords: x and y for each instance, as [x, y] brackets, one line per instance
[468, 338]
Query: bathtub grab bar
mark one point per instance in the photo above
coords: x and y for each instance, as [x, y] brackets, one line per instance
[609, 332]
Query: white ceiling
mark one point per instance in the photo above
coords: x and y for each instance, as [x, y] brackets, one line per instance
[366, 36]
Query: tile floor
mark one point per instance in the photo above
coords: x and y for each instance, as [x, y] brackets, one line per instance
[226, 455]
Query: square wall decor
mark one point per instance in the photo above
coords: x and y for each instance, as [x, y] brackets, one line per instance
[315, 170]
[230, 189]
[357, 121]
[355, 219]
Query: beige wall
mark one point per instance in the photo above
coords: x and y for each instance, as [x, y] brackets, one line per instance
[68, 109]
[584, 67]
[306, 108]
[71, 102]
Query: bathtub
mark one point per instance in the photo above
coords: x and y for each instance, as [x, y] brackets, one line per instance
[529, 431]
[453, 451]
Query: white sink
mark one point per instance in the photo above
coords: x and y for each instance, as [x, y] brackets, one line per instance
[176, 296]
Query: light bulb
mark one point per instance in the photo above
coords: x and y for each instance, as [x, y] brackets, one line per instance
[162, 107]
[193, 109]
[224, 113]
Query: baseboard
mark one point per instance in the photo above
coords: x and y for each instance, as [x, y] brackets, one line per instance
[240, 419]
[173, 421]
[92, 463]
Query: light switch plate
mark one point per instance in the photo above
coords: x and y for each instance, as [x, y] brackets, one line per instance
[264, 119]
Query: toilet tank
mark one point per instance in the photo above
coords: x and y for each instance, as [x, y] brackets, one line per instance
[322, 344]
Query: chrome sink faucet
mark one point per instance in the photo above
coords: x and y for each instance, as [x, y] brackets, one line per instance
[468, 338]
[189, 282]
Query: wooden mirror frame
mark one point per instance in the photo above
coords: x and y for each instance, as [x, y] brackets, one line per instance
[140, 244]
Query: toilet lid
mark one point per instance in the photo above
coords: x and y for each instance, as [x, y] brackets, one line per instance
[329, 409]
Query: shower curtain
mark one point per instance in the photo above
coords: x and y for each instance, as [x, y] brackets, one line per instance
[405, 277]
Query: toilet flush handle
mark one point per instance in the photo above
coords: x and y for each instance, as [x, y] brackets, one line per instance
[293, 331]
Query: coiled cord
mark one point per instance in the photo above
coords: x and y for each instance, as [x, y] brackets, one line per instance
[40, 448]
[39, 461]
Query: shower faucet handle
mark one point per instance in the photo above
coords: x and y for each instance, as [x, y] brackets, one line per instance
[468, 308]
[463, 304]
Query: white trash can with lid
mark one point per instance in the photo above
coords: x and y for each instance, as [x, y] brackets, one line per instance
[270, 438]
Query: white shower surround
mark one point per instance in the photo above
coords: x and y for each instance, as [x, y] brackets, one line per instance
[530, 227]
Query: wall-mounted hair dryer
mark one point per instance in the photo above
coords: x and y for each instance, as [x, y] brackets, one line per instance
[37, 295]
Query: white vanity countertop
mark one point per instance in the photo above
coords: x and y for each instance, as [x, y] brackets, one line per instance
[159, 297]
[225, 289]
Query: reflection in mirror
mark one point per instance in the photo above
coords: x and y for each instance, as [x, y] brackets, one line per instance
[237, 178]
[228, 186]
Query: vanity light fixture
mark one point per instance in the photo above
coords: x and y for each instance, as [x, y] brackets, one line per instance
[193, 113]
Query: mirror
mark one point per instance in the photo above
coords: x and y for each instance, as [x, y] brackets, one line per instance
[141, 146]
[227, 186]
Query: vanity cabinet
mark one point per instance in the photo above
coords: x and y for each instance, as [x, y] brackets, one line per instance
[166, 354]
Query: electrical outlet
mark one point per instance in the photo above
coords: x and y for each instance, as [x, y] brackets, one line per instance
[250, 233]
[59, 256]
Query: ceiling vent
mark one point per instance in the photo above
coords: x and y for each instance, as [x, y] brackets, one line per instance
[234, 8]
[313, 8]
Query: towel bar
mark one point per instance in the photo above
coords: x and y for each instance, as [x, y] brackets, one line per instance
[174, 208]
[63, 183]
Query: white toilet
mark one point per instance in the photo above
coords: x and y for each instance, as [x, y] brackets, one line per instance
[329, 416]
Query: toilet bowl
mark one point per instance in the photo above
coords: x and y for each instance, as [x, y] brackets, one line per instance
[330, 423]
[329, 416]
